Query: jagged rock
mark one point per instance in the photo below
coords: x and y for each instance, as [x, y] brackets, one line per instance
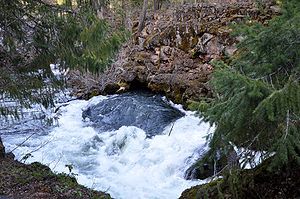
[230, 50]
[173, 54]
[111, 88]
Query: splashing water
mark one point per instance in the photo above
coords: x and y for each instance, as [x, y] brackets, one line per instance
[125, 161]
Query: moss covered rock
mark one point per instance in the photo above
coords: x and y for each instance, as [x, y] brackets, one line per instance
[260, 182]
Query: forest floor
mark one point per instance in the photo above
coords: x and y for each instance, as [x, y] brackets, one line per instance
[37, 181]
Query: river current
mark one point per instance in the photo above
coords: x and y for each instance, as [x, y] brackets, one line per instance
[133, 145]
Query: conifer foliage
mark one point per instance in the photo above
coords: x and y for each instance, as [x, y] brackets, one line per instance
[35, 33]
[257, 94]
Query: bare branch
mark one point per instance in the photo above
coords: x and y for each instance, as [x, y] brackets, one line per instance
[23, 142]
[287, 124]
[271, 81]
[171, 129]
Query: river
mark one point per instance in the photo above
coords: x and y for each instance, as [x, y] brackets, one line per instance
[134, 145]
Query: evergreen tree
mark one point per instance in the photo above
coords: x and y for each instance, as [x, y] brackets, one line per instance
[257, 94]
[34, 34]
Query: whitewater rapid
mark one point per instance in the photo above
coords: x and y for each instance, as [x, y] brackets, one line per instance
[124, 162]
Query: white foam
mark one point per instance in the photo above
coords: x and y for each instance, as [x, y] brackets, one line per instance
[124, 162]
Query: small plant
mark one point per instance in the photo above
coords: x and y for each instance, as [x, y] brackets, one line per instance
[70, 167]
[77, 192]
[28, 155]
[59, 189]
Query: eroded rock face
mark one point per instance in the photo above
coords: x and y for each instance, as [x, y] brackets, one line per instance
[173, 53]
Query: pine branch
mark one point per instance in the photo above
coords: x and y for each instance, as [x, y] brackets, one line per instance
[27, 14]
[295, 42]
[57, 8]
[298, 117]
[269, 75]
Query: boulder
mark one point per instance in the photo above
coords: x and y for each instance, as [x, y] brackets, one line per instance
[139, 109]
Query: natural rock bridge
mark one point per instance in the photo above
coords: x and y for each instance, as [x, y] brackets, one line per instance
[173, 53]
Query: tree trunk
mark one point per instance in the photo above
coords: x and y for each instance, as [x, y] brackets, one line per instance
[155, 4]
[2, 149]
[143, 17]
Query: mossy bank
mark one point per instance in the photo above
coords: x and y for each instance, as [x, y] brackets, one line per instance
[37, 181]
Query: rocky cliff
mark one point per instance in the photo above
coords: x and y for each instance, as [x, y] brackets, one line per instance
[173, 53]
